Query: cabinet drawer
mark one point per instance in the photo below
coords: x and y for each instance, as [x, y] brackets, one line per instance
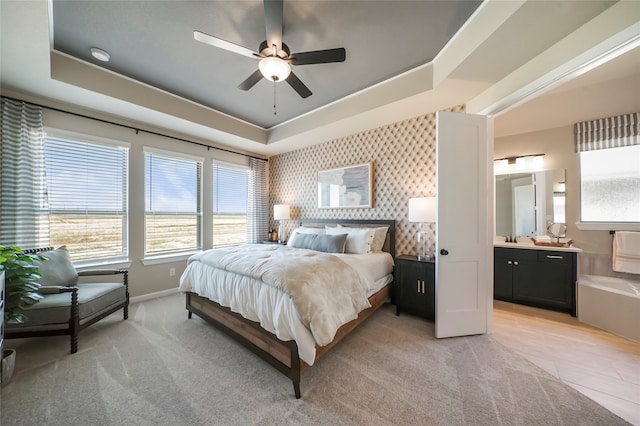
[554, 256]
[517, 254]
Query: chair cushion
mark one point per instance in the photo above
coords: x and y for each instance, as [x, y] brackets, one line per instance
[57, 268]
[93, 299]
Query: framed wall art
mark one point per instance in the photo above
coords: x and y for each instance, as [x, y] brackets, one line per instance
[346, 187]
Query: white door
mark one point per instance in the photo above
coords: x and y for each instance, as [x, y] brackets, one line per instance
[464, 225]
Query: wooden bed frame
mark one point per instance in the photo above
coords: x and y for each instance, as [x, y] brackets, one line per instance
[283, 355]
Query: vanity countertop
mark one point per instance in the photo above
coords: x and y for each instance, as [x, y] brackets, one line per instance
[528, 245]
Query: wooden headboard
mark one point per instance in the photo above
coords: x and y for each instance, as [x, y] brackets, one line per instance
[389, 243]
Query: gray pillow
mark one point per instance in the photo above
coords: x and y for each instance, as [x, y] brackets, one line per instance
[57, 268]
[325, 243]
[303, 240]
[330, 243]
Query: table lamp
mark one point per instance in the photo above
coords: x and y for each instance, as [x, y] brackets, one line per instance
[423, 211]
[281, 212]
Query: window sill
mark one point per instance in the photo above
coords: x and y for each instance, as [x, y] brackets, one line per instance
[608, 226]
[168, 258]
[119, 264]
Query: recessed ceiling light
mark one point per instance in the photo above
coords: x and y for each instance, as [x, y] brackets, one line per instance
[100, 54]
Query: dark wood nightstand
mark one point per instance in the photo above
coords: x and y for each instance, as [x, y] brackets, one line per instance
[415, 286]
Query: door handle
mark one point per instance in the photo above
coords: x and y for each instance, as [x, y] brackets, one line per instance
[444, 252]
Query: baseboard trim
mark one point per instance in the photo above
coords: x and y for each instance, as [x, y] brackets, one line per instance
[154, 295]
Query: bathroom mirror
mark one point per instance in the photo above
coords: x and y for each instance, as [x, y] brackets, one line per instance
[527, 203]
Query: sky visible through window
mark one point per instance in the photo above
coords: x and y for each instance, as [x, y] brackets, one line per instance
[229, 190]
[84, 176]
[89, 178]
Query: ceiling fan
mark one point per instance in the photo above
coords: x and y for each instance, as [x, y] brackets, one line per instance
[275, 57]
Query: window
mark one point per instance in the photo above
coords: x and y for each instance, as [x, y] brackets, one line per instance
[610, 184]
[173, 211]
[87, 197]
[230, 192]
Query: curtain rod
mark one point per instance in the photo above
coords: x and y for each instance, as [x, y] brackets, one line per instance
[137, 130]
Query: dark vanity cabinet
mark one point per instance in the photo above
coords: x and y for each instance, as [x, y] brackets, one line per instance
[415, 286]
[541, 278]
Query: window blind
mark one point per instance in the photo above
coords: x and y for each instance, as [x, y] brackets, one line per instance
[610, 132]
[230, 191]
[173, 211]
[87, 197]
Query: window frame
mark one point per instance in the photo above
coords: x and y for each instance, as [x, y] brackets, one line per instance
[176, 255]
[217, 163]
[600, 225]
[124, 259]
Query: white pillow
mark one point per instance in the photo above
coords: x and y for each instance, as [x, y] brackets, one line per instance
[359, 240]
[305, 230]
[379, 237]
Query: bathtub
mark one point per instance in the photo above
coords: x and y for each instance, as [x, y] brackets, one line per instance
[609, 303]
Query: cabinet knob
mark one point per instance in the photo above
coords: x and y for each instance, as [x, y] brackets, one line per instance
[509, 262]
[515, 262]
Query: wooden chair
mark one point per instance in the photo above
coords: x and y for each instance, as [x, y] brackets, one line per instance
[69, 307]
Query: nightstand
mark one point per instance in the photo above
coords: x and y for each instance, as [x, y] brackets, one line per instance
[415, 286]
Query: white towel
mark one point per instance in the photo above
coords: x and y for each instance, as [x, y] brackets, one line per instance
[626, 252]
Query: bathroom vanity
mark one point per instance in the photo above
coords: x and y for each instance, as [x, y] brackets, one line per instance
[539, 276]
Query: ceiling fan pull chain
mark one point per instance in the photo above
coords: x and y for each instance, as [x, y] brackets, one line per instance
[274, 97]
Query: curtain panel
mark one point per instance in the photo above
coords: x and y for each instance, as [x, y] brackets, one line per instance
[257, 207]
[23, 191]
[610, 132]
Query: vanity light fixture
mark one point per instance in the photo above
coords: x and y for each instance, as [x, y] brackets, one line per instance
[281, 212]
[99, 54]
[423, 211]
[519, 163]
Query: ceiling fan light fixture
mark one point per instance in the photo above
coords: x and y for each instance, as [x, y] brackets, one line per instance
[275, 69]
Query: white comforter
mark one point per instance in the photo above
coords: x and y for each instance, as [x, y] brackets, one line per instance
[234, 279]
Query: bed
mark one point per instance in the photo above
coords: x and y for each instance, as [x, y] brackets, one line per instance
[255, 302]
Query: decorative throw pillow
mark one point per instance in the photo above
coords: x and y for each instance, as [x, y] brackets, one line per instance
[57, 268]
[358, 239]
[304, 230]
[330, 243]
[302, 240]
[325, 243]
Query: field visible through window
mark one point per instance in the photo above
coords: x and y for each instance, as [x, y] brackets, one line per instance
[101, 236]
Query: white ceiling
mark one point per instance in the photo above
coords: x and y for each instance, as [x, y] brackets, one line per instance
[502, 55]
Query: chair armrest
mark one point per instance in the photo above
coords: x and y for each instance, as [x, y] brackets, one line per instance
[101, 272]
[55, 289]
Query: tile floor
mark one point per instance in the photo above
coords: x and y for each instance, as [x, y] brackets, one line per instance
[601, 365]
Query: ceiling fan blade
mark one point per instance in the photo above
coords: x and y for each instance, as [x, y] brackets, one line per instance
[298, 85]
[251, 81]
[223, 44]
[319, 56]
[273, 16]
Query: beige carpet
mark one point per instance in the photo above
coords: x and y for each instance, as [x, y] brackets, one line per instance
[160, 368]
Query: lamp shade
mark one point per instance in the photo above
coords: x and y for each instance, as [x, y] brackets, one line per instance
[422, 209]
[281, 211]
[274, 68]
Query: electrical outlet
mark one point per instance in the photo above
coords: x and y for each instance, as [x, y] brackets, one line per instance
[172, 272]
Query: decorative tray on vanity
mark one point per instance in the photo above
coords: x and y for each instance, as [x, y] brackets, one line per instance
[564, 244]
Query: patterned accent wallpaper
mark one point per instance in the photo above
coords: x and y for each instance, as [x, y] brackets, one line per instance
[404, 166]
